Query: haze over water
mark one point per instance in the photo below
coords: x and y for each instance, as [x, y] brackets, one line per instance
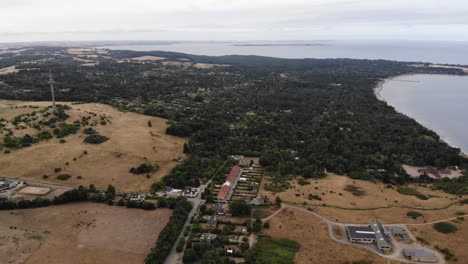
[416, 51]
[439, 102]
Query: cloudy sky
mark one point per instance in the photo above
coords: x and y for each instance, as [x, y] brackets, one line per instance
[38, 20]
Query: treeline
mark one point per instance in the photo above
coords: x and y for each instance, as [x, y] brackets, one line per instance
[170, 233]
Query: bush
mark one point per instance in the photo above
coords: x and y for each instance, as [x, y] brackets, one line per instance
[412, 192]
[143, 168]
[95, 139]
[413, 214]
[445, 228]
[89, 131]
[63, 177]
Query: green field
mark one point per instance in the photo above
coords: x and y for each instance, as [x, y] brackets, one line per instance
[273, 251]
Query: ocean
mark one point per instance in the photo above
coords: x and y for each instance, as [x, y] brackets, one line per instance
[414, 51]
[439, 102]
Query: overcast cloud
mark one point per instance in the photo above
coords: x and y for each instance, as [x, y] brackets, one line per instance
[38, 20]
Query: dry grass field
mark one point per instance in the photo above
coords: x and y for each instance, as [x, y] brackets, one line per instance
[456, 242]
[131, 142]
[8, 70]
[334, 191]
[79, 233]
[316, 245]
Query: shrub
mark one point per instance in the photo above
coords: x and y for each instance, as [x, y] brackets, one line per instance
[57, 169]
[445, 228]
[63, 177]
[89, 131]
[413, 214]
[412, 192]
[143, 168]
[95, 139]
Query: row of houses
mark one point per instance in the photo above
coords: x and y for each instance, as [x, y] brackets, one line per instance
[227, 189]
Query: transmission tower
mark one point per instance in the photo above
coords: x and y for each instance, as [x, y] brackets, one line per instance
[51, 81]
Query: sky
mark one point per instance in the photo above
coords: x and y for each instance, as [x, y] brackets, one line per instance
[226, 20]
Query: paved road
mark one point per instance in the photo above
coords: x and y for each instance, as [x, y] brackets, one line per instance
[43, 184]
[175, 257]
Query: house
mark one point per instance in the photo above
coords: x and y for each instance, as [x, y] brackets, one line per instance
[419, 255]
[218, 208]
[227, 189]
[208, 237]
[212, 220]
[174, 192]
[372, 234]
[5, 196]
[191, 192]
[179, 159]
[400, 232]
[7, 184]
[258, 200]
[136, 197]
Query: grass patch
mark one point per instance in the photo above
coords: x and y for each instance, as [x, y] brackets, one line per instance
[273, 251]
[259, 213]
[414, 214]
[411, 192]
[355, 190]
[445, 228]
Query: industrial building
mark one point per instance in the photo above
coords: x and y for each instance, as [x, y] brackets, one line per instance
[419, 255]
[371, 234]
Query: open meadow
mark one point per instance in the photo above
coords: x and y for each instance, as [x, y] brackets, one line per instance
[316, 245]
[79, 233]
[132, 141]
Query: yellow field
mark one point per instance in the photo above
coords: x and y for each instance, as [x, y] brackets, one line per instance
[131, 142]
[316, 245]
[79, 233]
[455, 242]
[332, 191]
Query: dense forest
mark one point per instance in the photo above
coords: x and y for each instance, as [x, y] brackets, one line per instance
[300, 116]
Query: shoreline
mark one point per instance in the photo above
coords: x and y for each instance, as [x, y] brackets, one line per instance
[378, 90]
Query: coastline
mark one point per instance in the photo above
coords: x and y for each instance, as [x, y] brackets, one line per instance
[378, 93]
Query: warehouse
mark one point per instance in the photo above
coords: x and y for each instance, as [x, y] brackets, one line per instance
[419, 255]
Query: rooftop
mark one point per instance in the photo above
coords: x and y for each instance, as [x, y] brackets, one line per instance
[420, 253]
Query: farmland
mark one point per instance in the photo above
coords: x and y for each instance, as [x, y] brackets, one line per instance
[79, 233]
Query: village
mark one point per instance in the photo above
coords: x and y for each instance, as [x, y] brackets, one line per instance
[224, 216]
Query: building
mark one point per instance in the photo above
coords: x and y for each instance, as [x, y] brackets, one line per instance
[191, 192]
[5, 196]
[6, 184]
[419, 255]
[400, 232]
[381, 238]
[258, 200]
[136, 197]
[372, 234]
[212, 220]
[227, 189]
[218, 208]
[174, 192]
[208, 237]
